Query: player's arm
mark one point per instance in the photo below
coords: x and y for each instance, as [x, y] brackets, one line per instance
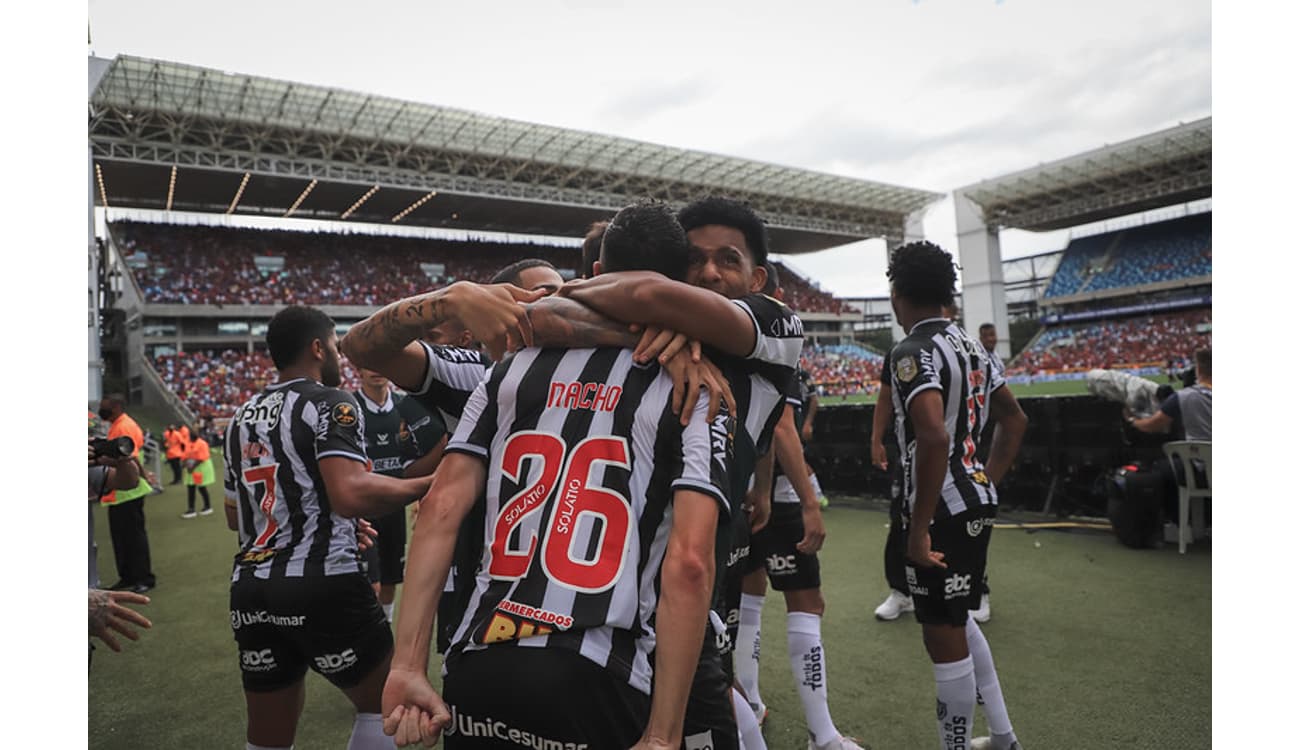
[386, 341]
[413, 711]
[925, 408]
[230, 484]
[354, 491]
[649, 298]
[426, 464]
[807, 432]
[1009, 428]
[759, 497]
[562, 322]
[682, 615]
[880, 418]
[789, 452]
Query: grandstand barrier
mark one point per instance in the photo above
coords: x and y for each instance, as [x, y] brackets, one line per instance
[154, 392]
[1072, 444]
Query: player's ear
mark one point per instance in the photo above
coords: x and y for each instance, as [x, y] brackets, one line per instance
[596, 268]
[758, 279]
[318, 350]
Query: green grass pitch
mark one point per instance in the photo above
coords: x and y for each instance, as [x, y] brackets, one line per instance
[1097, 645]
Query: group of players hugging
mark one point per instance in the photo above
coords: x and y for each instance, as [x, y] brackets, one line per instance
[604, 490]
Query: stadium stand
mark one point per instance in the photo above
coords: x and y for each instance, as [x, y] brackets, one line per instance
[1149, 254]
[1129, 343]
[214, 383]
[842, 370]
[805, 295]
[217, 265]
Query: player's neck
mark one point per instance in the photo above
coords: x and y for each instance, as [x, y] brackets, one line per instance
[293, 372]
[377, 396]
[909, 316]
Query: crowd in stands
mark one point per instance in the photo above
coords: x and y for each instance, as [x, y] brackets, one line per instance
[842, 370]
[1129, 342]
[215, 265]
[1148, 254]
[215, 383]
[805, 296]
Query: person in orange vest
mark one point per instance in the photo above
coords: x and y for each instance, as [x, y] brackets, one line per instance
[198, 474]
[126, 507]
[175, 438]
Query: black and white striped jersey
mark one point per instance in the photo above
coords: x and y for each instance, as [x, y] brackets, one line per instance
[274, 443]
[450, 375]
[938, 354]
[584, 454]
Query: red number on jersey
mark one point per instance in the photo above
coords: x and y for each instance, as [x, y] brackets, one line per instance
[264, 475]
[561, 561]
[563, 553]
[506, 563]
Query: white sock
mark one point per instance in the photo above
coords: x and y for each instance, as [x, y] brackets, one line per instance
[751, 734]
[817, 486]
[388, 610]
[986, 680]
[368, 734]
[956, 706]
[808, 662]
[251, 746]
[748, 637]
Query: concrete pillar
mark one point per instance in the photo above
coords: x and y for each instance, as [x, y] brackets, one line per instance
[983, 290]
[97, 67]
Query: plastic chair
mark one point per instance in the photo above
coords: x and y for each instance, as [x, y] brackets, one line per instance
[1191, 455]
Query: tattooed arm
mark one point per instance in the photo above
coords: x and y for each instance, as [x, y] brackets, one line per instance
[386, 341]
[561, 322]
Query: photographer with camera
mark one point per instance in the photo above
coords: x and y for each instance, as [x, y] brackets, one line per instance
[126, 506]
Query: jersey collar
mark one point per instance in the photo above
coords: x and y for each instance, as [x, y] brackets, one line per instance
[920, 323]
[378, 408]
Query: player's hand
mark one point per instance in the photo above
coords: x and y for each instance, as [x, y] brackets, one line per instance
[494, 314]
[413, 711]
[662, 344]
[919, 552]
[366, 534]
[878, 458]
[759, 505]
[108, 613]
[806, 433]
[814, 531]
[689, 377]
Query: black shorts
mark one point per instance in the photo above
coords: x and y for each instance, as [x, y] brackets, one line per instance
[511, 697]
[332, 624]
[710, 719]
[386, 559]
[774, 546]
[944, 595]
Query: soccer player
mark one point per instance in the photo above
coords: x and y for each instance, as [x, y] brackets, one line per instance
[757, 341]
[785, 551]
[533, 274]
[601, 516]
[388, 438]
[296, 478]
[944, 389]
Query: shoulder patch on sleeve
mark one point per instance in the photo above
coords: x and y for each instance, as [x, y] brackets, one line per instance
[905, 369]
[344, 414]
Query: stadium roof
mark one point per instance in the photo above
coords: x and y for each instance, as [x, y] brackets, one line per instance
[172, 136]
[1160, 169]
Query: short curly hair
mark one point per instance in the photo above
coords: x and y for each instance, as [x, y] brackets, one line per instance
[728, 212]
[645, 236]
[923, 273]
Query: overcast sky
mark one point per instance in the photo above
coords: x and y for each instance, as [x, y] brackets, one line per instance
[932, 94]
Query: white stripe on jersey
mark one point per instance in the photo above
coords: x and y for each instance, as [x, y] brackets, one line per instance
[781, 350]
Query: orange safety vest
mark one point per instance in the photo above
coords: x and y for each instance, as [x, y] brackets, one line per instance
[124, 426]
[198, 451]
[175, 442]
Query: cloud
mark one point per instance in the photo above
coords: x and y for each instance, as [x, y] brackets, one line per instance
[635, 104]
